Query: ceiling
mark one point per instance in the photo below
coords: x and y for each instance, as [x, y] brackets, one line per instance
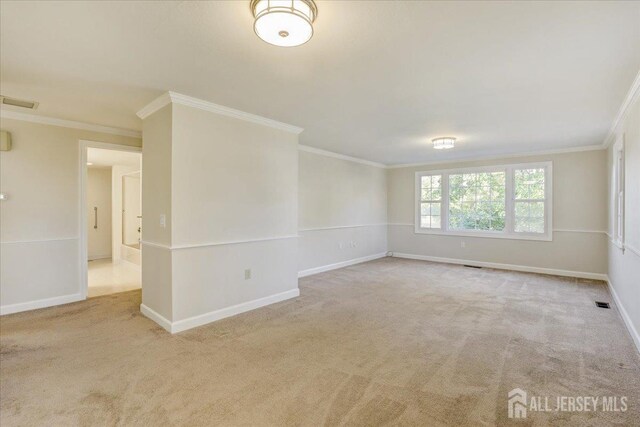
[377, 81]
[106, 158]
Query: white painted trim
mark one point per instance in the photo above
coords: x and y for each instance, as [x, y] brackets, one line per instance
[633, 249]
[212, 316]
[155, 105]
[52, 121]
[41, 303]
[82, 204]
[62, 239]
[513, 267]
[625, 316]
[156, 317]
[204, 245]
[326, 153]
[97, 257]
[304, 230]
[316, 270]
[500, 157]
[455, 160]
[176, 98]
[634, 92]
[109, 146]
[564, 230]
[155, 244]
[555, 230]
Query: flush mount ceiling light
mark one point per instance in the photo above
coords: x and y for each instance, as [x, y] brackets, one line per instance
[444, 143]
[284, 23]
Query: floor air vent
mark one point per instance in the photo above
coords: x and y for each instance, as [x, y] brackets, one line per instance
[602, 304]
[471, 266]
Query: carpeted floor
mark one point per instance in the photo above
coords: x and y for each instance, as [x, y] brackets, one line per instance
[383, 343]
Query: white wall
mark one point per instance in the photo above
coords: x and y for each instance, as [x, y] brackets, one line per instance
[156, 203]
[39, 223]
[342, 212]
[579, 220]
[117, 172]
[624, 266]
[99, 196]
[131, 191]
[233, 201]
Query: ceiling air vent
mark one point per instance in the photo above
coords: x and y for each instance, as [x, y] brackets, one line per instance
[31, 105]
[602, 304]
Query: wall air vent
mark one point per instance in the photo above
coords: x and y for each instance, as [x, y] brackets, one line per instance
[31, 105]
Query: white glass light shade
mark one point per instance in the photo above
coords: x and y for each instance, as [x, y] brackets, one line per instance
[284, 22]
[443, 143]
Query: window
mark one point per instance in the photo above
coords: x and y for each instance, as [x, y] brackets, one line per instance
[529, 200]
[507, 201]
[477, 201]
[430, 201]
[618, 193]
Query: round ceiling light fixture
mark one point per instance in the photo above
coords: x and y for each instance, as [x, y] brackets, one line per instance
[444, 143]
[284, 23]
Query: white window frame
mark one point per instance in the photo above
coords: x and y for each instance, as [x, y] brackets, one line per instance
[618, 195]
[509, 230]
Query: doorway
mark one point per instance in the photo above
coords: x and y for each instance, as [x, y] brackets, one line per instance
[111, 214]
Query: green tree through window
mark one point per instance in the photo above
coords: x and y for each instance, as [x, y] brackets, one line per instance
[477, 201]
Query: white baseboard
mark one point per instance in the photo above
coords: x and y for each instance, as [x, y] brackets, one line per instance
[625, 316]
[156, 317]
[97, 257]
[514, 267]
[316, 270]
[41, 303]
[203, 319]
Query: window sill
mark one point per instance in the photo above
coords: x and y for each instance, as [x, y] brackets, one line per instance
[488, 235]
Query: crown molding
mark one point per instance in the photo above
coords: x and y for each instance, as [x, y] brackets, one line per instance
[326, 153]
[502, 156]
[176, 98]
[632, 96]
[155, 105]
[45, 120]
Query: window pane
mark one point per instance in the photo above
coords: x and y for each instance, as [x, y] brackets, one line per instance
[477, 201]
[530, 215]
[431, 188]
[529, 183]
[430, 215]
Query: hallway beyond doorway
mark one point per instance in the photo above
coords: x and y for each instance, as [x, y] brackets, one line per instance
[106, 277]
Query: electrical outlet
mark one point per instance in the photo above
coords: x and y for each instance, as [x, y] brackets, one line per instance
[247, 274]
[463, 244]
[163, 221]
[340, 245]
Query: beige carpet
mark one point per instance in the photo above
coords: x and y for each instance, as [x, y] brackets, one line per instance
[389, 342]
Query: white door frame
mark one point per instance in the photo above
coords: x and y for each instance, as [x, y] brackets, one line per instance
[84, 251]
